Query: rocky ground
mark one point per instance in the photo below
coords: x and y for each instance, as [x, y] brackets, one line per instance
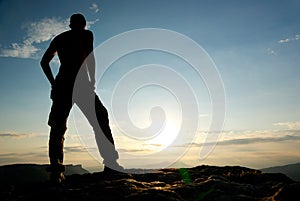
[194, 184]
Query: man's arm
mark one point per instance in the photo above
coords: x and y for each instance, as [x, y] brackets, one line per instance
[91, 67]
[45, 63]
[91, 64]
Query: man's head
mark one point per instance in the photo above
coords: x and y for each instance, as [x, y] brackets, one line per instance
[77, 21]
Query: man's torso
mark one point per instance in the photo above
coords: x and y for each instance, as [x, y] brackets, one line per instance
[72, 48]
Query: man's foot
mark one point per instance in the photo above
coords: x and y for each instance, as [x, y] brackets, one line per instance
[57, 178]
[115, 169]
[56, 174]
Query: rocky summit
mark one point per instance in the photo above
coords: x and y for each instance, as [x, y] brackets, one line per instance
[194, 184]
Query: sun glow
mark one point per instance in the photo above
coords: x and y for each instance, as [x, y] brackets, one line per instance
[166, 137]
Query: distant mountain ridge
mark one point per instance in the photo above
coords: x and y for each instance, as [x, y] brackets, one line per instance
[32, 173]
[291, 170]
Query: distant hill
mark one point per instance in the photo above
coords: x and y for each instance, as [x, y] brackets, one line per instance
[32, 173]
[291, 170]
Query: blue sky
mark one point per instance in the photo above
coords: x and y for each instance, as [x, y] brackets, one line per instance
[254, 44]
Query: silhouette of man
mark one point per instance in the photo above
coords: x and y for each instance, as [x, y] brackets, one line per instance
[75, 52]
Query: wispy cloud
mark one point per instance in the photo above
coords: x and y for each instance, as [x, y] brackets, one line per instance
[94, 7]
[259, 140]
[90, 23]
[270, 51]
[19, 50]
[27, 157]
[36, 33]
[289, 125]
[287, 40]
[243, 141]
[134, 150]
[275, 49]
[250, 138]
[44, 29]
[75, 149]
[16, 136]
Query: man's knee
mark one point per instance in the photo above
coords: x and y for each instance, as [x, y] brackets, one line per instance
[57, 133]
[98, 104]
[101, 111]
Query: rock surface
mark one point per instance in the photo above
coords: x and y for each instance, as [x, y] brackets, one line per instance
[198, 183]
[24, 174]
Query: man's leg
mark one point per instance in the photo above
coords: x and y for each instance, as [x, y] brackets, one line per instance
[57, 121]
[56, 155]
[97, 116]
[56, 145]
[107, 150]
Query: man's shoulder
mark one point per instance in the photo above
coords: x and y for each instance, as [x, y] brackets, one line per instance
[70, 35]
[68, 32]
[89, 33]
[73, 32]
[62, 35]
